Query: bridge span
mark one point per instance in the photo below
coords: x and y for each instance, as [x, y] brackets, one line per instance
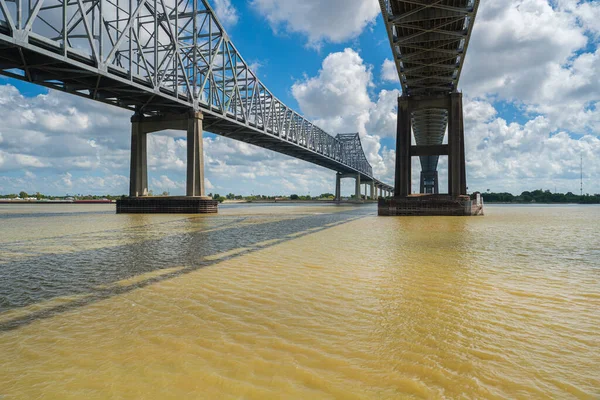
[173, 65]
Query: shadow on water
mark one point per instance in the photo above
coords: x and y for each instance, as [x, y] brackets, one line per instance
[92, 275]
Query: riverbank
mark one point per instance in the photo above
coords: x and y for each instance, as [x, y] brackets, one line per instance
[20, 201]
[294, 201]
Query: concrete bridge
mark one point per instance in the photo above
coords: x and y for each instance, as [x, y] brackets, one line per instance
[173, 65]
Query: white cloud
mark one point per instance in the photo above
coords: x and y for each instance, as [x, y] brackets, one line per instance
[338, 100]
[389, 73]
[516, 157]
[536, 55]
[333, 20]
[340, 87]
[66, 180]
[226, 13]
[164, 183]
[588, 13]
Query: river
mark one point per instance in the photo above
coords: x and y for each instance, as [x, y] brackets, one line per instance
[299, 302]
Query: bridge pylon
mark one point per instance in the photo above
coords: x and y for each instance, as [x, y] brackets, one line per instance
[195, 200]
[456, 202]
[408, 109]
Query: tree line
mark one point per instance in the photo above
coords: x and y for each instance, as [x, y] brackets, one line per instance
[540, 196]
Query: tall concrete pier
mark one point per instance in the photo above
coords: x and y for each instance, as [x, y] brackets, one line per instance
[409, 108]
[195, 200]
[448, 111]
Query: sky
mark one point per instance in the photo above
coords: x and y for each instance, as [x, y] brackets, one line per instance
[530, 83]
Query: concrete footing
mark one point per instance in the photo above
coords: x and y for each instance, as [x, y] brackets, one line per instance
[430, 204]
[167, 205]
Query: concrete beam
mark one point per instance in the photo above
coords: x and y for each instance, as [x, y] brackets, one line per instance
[431, 150]
[429, 182]
[429, 102]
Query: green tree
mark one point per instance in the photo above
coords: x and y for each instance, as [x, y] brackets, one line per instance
[23, 194]
[294, 197]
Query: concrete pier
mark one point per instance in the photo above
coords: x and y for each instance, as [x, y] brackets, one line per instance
[195, 201]
[429, 201]
[429, 182]
[358, 195]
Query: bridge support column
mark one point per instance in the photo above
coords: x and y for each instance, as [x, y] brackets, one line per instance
[457, 181]
[338, 186]
[402, 187]
[195, 157]
[373, 192]
[357, 188]
[456, 202]
[195, 201]
[429, 182]
[138, 171]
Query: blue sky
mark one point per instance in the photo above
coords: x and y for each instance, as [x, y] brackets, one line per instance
[530, 85]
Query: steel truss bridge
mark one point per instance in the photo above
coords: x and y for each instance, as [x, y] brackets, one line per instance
[159, 58]
[429, 41]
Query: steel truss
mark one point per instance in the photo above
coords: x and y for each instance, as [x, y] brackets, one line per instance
[158, 57]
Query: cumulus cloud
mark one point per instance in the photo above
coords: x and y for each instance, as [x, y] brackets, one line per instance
[389, 73]
[58, 132]
[226, 12]
[517, 157]
[333, 20]
[338, 100]
[537, 56]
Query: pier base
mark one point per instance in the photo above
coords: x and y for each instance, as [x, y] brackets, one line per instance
[430, 204]
[167, 205]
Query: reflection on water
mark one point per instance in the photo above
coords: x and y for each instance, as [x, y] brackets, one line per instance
[299, 302]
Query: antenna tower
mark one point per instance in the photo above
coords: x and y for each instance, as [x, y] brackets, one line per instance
[581, 176]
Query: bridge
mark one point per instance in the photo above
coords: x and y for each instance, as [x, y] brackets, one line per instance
[429, 41]
[173, 65]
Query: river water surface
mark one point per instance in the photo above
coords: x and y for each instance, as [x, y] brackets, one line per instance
[299, 302]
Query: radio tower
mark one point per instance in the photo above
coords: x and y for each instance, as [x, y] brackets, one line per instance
[581, 176]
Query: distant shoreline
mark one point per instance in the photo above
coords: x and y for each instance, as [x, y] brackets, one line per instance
[57, 201]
